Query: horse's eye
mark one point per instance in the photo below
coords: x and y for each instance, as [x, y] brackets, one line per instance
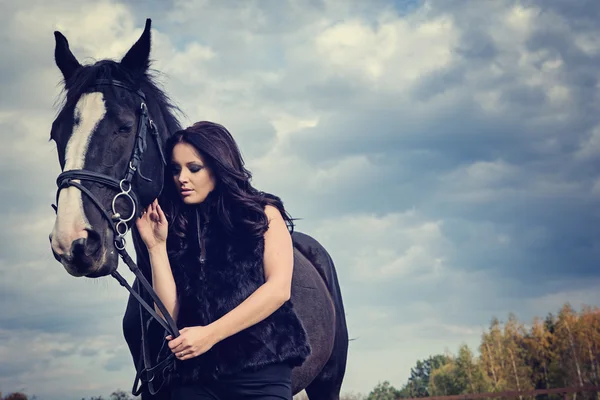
[125, 129]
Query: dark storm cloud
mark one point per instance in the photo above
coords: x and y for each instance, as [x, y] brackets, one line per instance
[581, 16]
[552, 230]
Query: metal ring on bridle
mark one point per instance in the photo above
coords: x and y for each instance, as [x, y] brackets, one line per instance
[121, 228]
[127, 195]
[150, 376]
[166, 371]
[120, 243]
[128, 185]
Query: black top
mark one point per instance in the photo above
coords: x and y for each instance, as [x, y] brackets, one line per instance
[222, 273]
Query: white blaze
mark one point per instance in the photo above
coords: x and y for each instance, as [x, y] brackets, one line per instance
[70, 218]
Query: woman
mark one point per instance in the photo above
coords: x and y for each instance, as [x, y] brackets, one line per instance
[222, 261]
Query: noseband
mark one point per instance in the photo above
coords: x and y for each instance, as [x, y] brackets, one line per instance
[120, 228]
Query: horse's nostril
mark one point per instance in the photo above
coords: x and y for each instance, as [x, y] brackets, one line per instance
[94, 242]
[79, 259]
[78, 247]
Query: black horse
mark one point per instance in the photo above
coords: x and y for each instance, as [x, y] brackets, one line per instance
[109, 135]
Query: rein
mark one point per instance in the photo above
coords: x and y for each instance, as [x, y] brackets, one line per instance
[120, 228]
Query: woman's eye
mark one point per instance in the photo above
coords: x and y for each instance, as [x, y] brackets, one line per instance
[195, 169]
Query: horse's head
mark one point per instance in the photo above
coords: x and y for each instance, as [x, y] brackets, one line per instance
[109, 136]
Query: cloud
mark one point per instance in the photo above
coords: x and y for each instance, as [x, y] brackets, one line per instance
[444, 153]
[35, 361]
[392, 247]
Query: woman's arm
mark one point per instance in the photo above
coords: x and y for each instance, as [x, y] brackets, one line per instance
[163, 282]
[278, 268]
[153, 228]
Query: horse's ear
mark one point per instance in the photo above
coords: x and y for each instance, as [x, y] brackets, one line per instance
[65, 60]
[137, 59]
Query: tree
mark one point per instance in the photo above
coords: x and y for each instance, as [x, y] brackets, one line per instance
[384, 391]
[568, 347]
[468, 373]
[518, 373]
[539, 354]
[588, 328]
[443, 382]
[492, 358]
[419, 380]
[120, 395]
[15, 396]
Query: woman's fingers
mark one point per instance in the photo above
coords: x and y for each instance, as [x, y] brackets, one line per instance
[161, 214]
[178, 349]
[154, 213]
[150, 212]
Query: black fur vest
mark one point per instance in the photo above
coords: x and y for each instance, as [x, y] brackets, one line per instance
[230, 272]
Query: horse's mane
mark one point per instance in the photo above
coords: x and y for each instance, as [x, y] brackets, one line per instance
[157, 99]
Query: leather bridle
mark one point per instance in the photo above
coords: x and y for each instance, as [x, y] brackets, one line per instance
[120, 228]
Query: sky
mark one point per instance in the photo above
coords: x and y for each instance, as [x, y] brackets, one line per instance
[445, 153]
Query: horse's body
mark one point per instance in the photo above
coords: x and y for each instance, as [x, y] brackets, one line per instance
[82, 239]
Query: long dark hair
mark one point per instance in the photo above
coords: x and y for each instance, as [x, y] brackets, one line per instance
[234, 202]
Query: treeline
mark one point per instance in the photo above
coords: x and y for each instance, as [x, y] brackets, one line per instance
[559, 351]
[555, 352]
[117, 395]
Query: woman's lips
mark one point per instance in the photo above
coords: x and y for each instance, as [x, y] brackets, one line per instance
[186, 192]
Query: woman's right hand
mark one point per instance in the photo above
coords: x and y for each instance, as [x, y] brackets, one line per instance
[153, 226]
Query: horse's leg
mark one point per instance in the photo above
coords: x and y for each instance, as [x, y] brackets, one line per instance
[327, 384]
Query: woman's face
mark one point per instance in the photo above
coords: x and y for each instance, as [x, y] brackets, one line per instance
[193, 179]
